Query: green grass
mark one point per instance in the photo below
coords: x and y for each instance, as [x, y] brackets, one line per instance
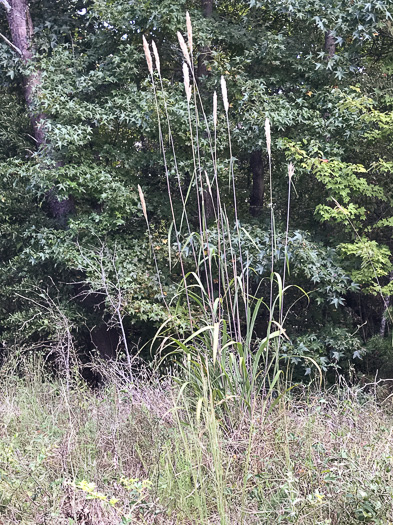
[314, 458]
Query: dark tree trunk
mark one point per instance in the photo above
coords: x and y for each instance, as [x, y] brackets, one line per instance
[207, 6]
[208, 206]
[21, 29]
[204, 52]
[258, 183]
[330, 44]
[60, 209]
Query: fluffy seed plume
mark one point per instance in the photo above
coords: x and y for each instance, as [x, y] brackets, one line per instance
[184, 48]
[291, 170]
[224, 94]
[147, 55]
[187, 85]
[142, 198]
[268, 136]
[189, 32]
[6, 5]
[215, 109]
[156, 57]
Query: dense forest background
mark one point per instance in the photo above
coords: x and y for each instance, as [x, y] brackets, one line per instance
[79, 133]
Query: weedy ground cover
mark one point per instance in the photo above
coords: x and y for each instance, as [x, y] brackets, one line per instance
[141, 454]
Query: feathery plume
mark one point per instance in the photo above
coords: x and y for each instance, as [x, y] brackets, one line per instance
[224, 94]
[142, 198]
[147, 55]
[215, 109]
[268, 137]
[6, 5]
[184, 48]
[291, 170]
[189, 32]
[187, 85]
[157, 57]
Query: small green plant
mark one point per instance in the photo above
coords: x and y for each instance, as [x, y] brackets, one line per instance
[90, 489]
[137, 493]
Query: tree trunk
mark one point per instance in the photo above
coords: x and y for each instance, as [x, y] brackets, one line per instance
[21, 29]
[207, 9]
[208, 205]
[22, 32]
[258, 183]
[207, 6]
[330, 44]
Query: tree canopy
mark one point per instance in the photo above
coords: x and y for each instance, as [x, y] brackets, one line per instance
[79, 133]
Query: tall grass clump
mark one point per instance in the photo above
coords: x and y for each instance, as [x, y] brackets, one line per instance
[226, 373]
[219, 354]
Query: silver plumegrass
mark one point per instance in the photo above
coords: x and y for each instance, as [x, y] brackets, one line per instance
[291, 170]
[156, 57]
[147, 55]
[142, 199]
[268, 137]
[187, 85]
[224, 94]
[189, 32]
[183, 47]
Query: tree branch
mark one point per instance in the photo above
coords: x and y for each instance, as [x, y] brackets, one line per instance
[10, 43]
[6, 5]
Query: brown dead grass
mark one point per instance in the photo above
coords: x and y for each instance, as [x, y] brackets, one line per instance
[319, 458]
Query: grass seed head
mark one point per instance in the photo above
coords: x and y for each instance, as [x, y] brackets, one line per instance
[142, 198]
[147, 55]
[187, 85]
[291, 170]
[183, 47]
[215, 109]
[224, 94]
[340, 208]
[189, 32]
[268, 136]
[156, 57]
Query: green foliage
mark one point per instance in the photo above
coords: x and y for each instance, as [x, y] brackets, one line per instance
[333, 349]
[380, 356]
[331, 115]
[374, 263]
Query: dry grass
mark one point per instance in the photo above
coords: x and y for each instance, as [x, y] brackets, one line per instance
[317, 458]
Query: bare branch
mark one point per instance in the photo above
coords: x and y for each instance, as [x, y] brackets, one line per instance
[6, 5]
[10, 43]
